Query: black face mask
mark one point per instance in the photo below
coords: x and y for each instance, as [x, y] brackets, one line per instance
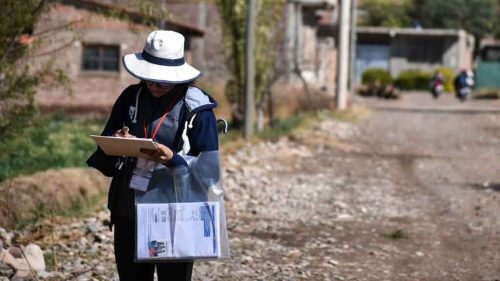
[151, 108]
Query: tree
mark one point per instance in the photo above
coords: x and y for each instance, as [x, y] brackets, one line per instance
[233, 13]
[389, 13]
[479, 17]
[18, 79]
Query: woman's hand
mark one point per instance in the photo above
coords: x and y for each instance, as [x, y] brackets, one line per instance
[162, 154]
[123, 133]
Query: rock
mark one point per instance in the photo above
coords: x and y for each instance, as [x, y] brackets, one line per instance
[5, 270]
[100, 269]
[16, 252]
[44, 275]
[246, 260]
[295, 253]
[5, 237]
[92, 228]
[34, 255]
[333, 262]
[419, 254]
[344, 217]
[18, 265]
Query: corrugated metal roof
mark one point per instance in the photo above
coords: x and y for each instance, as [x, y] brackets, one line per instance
[316, 3]
[392, 31]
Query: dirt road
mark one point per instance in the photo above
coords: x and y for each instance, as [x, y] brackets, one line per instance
[410, 193]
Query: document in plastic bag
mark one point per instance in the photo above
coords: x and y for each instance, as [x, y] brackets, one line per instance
[178, 231]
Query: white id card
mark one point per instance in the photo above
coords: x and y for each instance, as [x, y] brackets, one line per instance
[142, 174]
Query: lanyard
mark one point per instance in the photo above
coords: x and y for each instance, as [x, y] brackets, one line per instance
[157, 126]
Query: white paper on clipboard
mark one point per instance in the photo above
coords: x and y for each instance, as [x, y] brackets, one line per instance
[117, 146]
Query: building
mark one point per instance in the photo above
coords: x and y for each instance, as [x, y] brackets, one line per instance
[401, 49]
[310, 50]
[87, 39]
[103, 31]
[488, 65]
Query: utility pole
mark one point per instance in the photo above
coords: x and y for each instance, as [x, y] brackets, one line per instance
[354, 40]
[163, 15]
[199, 43]
[343, 54]
[249, 71]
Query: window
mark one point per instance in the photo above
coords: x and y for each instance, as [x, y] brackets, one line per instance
[491, 53]
[101, 57]
[425, 50]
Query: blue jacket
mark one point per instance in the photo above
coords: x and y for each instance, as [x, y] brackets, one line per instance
[131, 110]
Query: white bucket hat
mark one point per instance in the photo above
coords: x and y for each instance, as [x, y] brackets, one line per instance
[162, 59]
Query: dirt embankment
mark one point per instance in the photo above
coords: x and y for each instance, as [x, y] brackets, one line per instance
[24, 197]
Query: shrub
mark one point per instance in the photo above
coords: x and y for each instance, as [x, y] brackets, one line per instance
[376, 76]
[413, 80]
[449, 76]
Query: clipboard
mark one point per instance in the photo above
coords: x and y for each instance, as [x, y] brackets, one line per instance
[117, 146]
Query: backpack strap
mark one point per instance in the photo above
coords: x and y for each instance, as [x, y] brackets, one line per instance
[188, 124]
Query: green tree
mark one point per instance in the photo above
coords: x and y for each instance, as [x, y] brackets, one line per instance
[479, 17]
[234, 13]
[389, 13]
[18, 79]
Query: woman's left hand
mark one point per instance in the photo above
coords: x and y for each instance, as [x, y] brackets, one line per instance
[162, 154]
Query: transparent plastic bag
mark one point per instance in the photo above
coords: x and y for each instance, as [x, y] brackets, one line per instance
[181, 215]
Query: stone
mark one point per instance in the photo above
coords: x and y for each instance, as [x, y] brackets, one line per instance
[16, 252]
[333, 262]
[6, 270]
[34, 255]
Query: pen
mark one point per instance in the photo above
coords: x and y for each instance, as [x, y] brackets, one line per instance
[124, 129]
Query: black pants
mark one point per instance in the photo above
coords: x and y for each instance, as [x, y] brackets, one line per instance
[130, 271]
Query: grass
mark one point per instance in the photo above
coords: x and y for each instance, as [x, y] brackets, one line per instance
[78, 209]
[84, 207]
[54, 142]
[352, 114]
[50, 260]
[233, 140]
[397, 235]
[487, 94]
[62, 141]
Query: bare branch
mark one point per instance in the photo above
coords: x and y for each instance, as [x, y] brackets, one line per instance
[55, 50]
[59, 27]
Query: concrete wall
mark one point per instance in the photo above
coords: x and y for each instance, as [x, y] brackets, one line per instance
[465, 51]
[422, 53]
[316, 54]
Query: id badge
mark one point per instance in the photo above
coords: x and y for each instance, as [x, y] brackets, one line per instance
[142, 174]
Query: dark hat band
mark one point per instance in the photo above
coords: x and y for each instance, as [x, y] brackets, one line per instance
[161, 61]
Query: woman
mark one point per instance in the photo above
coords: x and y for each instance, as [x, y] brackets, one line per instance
[166, 107]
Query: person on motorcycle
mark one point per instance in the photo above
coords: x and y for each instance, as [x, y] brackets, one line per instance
[463, 84]
[437, 84]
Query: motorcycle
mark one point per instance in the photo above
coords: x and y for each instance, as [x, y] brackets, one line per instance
[437, 90]
[463, 93]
